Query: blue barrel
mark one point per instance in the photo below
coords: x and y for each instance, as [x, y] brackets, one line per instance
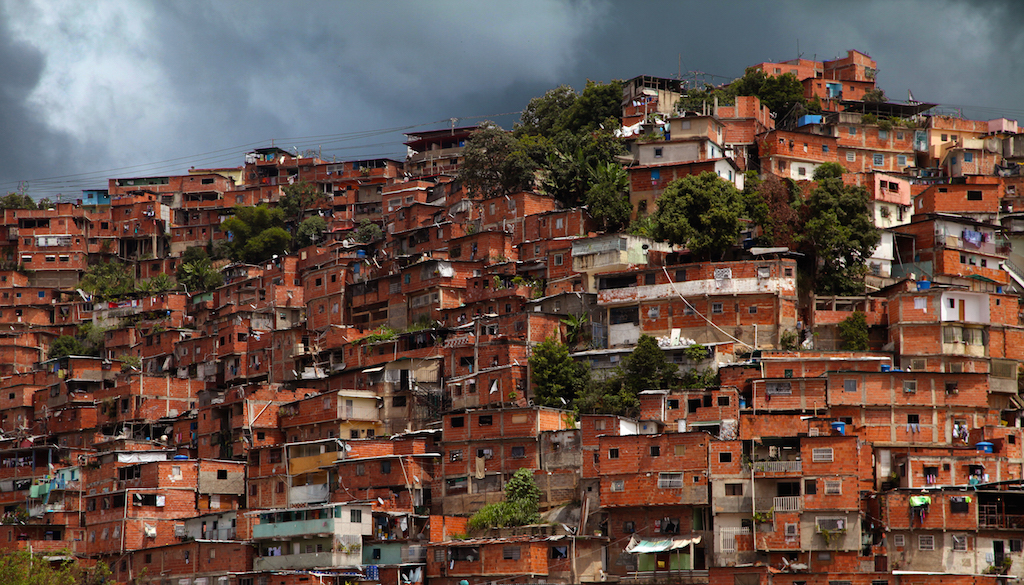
[886, 367]
[984, 447]
[839, 427]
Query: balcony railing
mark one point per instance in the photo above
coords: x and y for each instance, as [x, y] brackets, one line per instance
[788, 503]
[777, 466]
[728, 538]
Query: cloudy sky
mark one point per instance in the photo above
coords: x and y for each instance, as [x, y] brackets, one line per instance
[100, 89]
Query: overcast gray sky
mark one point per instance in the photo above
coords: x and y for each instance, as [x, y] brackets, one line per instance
[92, 90]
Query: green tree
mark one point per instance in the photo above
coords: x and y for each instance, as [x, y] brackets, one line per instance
[840, 233]
[158, 284]
[569, 163]
[368, 232]
[576, 330]
[256, 233]
[600, 105]
[17, 201]
[22, 568]
[554, 375]
[494, 164]
[853, 331]
[700, 212]
[296, 200]
[781, 94]
[109, 280]
[646, 367]
[310, 231]
[774, 205]
[44, 203]
[608, 197]
[66, 345]
[522, 498]
[196, 272]
[829, 170]
[544, 114]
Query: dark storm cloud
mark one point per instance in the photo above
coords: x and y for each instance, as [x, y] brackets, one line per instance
[107, 86]
[26, 145]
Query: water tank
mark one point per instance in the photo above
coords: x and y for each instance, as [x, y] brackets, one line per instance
[839, 427]
[984, 446]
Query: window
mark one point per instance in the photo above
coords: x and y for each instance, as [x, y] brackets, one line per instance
[485, 420]
[944, 137]
[599, 425]
[901, 160]
[458, 422]
[974, 195]
[849, 385]
[716, 308]
[455, 455]
[657, 152]
[853, 130]
[734, 489]
[355, 516]
[398, 401]
[1015, 545]
[822, 455]
[613, 453]
[723, 401]
[510, 553]
[670, 480]
[899, 540]
[725, 457]
[913, 419]
[655, 451]
[851, 156]
[878, 159]
[833, 487]
[558, 259]
[824, 148]
[385, 467]
[802, 171]
[518, 452]
[673, 404]
[910, 386]
[619, 485]
[810, 487]
[752, 309]
[559, 552]
[629, 527]
[222, 474]
[968, 157]
[959, 542]
[883, 134]
[925, 542]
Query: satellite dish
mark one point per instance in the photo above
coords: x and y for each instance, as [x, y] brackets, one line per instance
[348, 447]
[380, 501]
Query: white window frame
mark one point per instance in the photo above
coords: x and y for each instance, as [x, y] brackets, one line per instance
[670, 480]
[822, 455]
[833, 487]
[925, 542]
[618, 485]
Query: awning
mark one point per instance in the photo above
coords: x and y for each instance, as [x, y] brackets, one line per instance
[371, 370]
[637, 546]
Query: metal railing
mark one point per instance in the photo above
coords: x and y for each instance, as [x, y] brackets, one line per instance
[776, 466]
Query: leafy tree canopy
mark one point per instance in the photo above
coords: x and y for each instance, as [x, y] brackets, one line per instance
[17, 201]
[773, 204]
[311, 230]
[196, 271]
[20, 568]
[520, 507]
[66, 345]
[840, 232]
[542, 116]
[493, 164]
[853, 331]
[296, 200]
[608, 197]
[256, 233]
[368, 232]
[109, 280]
[700, 212]
[554, 375]
[646, 367]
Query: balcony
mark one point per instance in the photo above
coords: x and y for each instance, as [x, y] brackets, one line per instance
[781, 504]
[279, 530]
[309, 560]
[776, 467]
